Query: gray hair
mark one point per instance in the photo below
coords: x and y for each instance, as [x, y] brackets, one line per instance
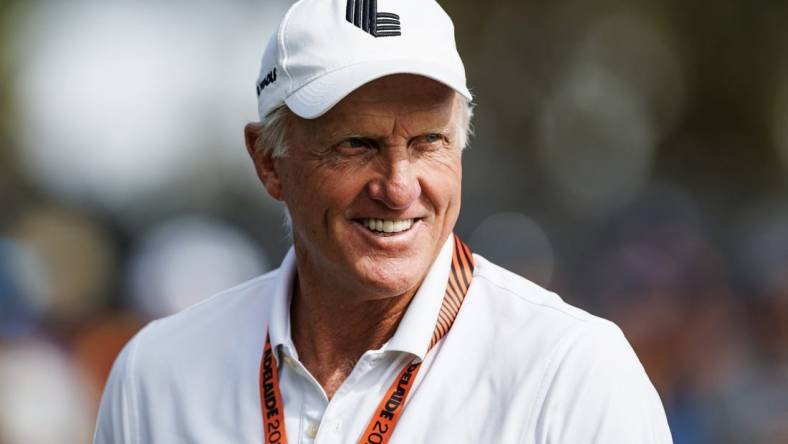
[272, 130]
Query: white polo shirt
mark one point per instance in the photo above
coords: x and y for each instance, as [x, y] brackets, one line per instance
[518, 366]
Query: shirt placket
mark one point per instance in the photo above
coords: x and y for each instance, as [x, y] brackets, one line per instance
[304, 396]
[321, 421]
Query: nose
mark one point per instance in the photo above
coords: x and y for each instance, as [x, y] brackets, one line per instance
[398, 185]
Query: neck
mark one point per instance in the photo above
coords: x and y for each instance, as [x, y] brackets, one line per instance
[331, 332]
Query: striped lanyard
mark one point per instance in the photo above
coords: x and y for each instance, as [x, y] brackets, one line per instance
[385, 418]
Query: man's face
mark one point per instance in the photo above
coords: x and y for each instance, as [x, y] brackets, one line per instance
[373, 186]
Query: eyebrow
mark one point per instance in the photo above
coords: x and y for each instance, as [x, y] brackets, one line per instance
[341, 134]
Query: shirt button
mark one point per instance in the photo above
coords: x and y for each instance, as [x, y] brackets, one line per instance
[311, 430]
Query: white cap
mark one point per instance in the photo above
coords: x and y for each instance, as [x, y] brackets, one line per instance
[325, 49]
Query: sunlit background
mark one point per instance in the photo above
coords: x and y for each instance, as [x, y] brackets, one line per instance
[630, 155]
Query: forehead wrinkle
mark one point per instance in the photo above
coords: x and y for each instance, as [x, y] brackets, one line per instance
[353, 126]
[381, 118]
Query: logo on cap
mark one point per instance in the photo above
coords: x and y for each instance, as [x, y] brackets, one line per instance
[363, 14]
[265, 81]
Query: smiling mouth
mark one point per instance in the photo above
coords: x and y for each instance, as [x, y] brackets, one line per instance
[386, 227]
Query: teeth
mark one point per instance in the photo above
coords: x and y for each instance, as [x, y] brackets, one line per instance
[387, 226]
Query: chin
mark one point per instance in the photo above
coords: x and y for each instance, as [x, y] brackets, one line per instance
[392, 277]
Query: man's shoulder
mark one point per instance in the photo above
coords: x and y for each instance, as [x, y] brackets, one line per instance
[512, 314]
[562, 356]
[521, 297]
[214, 345]
[202, 331]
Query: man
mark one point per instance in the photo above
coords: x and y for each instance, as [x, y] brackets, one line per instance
[380, 325]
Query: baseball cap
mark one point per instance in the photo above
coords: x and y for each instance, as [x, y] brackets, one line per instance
[325, 49]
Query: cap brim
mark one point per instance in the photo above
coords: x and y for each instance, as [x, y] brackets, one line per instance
[320, 95]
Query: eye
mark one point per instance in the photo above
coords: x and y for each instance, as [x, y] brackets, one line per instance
[430, 141]
[354, 145]
[433, 137]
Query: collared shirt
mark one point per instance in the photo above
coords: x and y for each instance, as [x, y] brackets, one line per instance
[518, 366]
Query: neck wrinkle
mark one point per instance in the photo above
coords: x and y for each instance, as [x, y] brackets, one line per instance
[330, 337]
[324, 329]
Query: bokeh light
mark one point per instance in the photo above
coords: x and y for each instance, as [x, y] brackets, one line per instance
[642, 52]
[111, 95]
[600, 125]
[43, 398]
[597, 142]
[23, 288]
[69, 260]
[517, 243]
[186, 260]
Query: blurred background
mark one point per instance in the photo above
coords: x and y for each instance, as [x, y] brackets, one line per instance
[630, 155]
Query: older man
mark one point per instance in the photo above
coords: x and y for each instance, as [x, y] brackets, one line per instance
[380, 325]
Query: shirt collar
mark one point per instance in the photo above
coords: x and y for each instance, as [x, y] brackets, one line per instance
[279, 324]
[414, 332]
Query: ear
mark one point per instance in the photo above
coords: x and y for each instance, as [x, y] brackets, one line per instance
[264, 162]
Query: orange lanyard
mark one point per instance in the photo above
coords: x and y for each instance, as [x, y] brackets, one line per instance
[385, 418]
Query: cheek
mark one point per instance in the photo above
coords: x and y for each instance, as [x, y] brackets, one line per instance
[442, 183]
[322, 188]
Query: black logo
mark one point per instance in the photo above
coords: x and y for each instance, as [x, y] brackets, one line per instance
[265, 81]
[363, 14]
